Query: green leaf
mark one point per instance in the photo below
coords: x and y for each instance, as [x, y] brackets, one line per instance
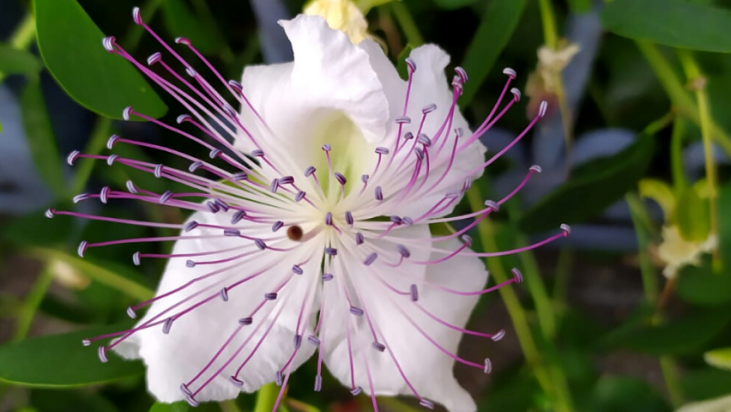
[675, 337]
[170, 407]
[660, 192]
[703, 286]
[719, 358]
[14, 61]
[692, 216]
[61, 361]
[676, 23]
[181, 21]
[591, 189]
[48, 400]
[41, 140]
[625, 394]
[71, 46]
[454, 4]
[499, 21]
[705, 383]
[580, 6]
[401, 66]
[724, 226]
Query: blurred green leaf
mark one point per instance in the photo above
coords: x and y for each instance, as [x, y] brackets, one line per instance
[591, 189]
[700, 285]
[676, 23]
[61, 361]
[34, 229]
[499, 21]
[41, 140]
[679, 336]
[58, 308]
[625, 394]
[366, 5]
[705, 383]
[71, 46]
[692, 217]
[579, 6]
[14, 61]
[182, 21]
[724, 226]
[401, 66]
[660, 192]
[170, 407]
[454, 4]
[719, 358]
[47, 400]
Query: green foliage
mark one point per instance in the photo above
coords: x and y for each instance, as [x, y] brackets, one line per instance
[70, 44]
[14, 61]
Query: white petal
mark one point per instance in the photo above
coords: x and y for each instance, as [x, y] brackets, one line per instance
[428, 369]
[195, 337]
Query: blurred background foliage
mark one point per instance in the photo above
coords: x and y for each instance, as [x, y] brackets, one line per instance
[635, 155]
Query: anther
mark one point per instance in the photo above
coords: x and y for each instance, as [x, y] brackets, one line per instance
[240, 176]
[278, 378]
[566, 229]
[542, 108]
[213, 207]
[224, 294]
[131, 187]
[494, 206]
[356, 391]
[498, 336]
[195, 166]
[313, 340]
[257, 153]
[50, 213]
[411, 64]
[331, 251]
[297, 341]
[429, 108]
[191, 401]
[86, 342]
[81, 250]
[424, 139]
[154, 58]
[102, 352]
[183, 40]
[536, 169]
[299, 196]
[137, 16]
[104, 194]
[297, 270]
[236, 218]
[517, 275]
[462, 73]
[183, 118]
[488, 366]
[467, 239]
[403, 251]
[190, 226]
[370, 259]
[309, 171]
[270, 296]
[108, 43]
[78, 198]
[516, 94]
[236, 85]
[286, 180]
[236, 381]
[318, 383]
[232, 232]
[221, 204]
[111, 159]
[158, 170]
[71, 158]
[326, 147]
[510, 72]
[408, 136]
[407, 221]
[403, 120]
[414, 292]
[191, 72]
[327, 277]
[214, 153]
[426, 403]
[329, 218]
[184, 389]
[165, 197]
[260, 244]
[189, 263]
[379, 346]
[274, 186]
[364, 178]
[167, 325]
[359, 239]
[126, 112]
[395, 219]
[136, 258]
[131, 313]
[340, 178]
[419, 154]
[112, 141]
[381, 150]
[277, 225]
[246, 321]
[379, 193]
[356, 311]
[349, 218]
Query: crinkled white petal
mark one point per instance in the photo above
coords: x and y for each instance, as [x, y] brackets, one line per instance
[195, 337]
[427, 368]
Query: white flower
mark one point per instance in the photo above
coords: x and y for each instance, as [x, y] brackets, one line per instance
[677, 252]
[322, 241]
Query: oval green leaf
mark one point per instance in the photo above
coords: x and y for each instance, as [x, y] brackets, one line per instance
[71, 46]
[702, 286]
[676, 23]
[720, 358]
[591, 189]
[62, 361]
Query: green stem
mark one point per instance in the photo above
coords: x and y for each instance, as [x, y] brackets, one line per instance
[563, 270]
[24, 34]
[640, 219]
[676, 156]
[32, 302]
[543, 374]
[266, 397]
[672, 381]
[693, 73]
[408, 25]
[97, 142]
[682, 101]
[550, 34]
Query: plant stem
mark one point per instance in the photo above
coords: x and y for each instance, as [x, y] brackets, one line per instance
[99, 137]
[563, 270]
[22, 37]
[548, 379]
[32, 302]
[406, 21]
[550, 36]
[698, 83]
[676, 156]
[672, 381]
[266, 397]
